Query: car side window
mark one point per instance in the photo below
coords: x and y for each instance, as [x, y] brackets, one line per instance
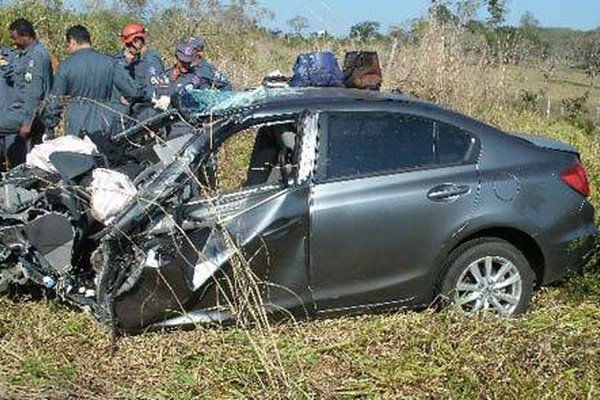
[452, 145]
[368, 143]
[379, 142]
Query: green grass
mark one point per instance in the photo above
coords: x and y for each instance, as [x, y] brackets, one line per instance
[562, 83]
[554, 351]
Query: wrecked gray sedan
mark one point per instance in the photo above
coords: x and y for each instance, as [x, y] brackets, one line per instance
[335, 201]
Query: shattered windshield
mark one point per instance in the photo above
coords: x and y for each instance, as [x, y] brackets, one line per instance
[208, 101]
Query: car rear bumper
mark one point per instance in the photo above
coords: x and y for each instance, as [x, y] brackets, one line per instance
[568, 253]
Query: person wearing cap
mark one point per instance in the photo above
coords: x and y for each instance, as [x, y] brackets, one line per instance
[210, 76]
[30, 77]
[182, 76]
[86, 80]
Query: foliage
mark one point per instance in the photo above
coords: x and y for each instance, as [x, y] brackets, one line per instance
[590, 54]
[366, 31]
[298, 24]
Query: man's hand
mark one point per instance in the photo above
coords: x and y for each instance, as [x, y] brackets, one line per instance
[25, 131]
[129, 56]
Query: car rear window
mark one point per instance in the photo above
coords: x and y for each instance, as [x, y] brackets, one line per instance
[371, 143]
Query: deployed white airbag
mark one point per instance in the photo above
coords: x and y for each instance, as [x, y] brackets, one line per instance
[39, 156]
[111, 192]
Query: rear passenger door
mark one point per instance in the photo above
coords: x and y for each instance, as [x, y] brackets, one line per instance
[391, 189]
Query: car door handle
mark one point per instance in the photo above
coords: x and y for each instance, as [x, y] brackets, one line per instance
[447, 192]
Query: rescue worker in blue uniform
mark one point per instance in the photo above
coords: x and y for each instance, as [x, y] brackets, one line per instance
[6, 84]
[30, 77]
[7, 142]
[143, 64]
[211, 77]
[183, 76]
[86, 80]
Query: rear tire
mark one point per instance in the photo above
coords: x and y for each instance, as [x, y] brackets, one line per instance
[488, 274]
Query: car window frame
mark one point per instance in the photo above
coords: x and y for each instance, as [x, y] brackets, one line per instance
[321, 171]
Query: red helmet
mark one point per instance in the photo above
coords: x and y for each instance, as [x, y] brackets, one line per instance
[134, 31]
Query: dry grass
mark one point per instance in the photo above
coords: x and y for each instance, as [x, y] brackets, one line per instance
[554, 351]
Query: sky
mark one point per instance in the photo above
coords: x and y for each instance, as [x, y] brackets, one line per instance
[337, 16]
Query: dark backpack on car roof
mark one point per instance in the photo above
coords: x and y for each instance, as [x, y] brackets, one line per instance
[319, 69]
[362, 70]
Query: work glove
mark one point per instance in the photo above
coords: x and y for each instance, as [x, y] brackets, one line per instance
[162, 103]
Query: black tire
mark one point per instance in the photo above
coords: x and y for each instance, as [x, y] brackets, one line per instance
[477, 250]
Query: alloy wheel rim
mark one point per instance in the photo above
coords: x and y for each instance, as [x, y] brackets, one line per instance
[489, 283]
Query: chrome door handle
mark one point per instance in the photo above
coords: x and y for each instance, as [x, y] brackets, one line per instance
[448, 192]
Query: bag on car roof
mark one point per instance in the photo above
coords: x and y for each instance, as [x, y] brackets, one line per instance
[319, 69]
[362, 70]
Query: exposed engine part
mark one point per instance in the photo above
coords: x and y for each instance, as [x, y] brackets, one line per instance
[14, 199]
[52, 235]
[12, 275]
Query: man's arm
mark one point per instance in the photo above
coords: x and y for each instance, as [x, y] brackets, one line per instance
[212, 78]
[52, 112]
[125, 84]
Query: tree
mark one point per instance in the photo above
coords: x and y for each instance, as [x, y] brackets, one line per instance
[398, 33]
[528, 20]
[298, 24]
[497, 10]
[590, 55]
[441, 13]
[365, 31]
[466, 10]
[135, 7]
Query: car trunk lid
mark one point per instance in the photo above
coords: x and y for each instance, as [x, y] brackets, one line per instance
[546, 143]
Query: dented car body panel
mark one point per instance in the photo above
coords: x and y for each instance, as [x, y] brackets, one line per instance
[327, 229]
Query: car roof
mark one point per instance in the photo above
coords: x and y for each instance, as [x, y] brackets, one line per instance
[291, 98]
[308, 95]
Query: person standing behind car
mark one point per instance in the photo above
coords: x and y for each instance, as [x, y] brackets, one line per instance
[7, 142]
[143, 64]
[211, 77]
[85, 80]
[6, 84]
[182, 76]
[30, 76]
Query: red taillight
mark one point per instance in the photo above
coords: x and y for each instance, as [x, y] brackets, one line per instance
[576, 178]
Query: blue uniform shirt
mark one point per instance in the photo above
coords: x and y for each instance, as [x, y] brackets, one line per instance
[168, 84]
[144, 70]
[6, 84]
[31, 77]
[88, 77]
[211, 78]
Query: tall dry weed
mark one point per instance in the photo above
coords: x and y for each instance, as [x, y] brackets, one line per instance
[444, 66]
